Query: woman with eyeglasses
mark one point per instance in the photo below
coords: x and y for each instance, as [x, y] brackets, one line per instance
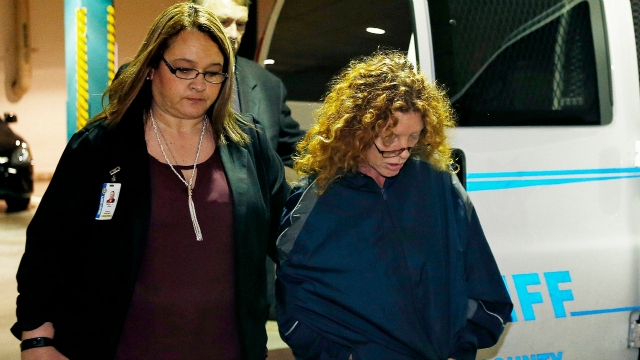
[382, 255]
[174, 269]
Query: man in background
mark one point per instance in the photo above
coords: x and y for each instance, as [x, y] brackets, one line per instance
[261, 94]
[258, 91]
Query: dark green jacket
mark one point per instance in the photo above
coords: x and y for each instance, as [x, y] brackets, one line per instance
[79, 273]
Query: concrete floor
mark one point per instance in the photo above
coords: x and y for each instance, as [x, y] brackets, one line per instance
[12, 240]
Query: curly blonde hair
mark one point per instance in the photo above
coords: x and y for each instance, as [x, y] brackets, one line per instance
[360, 107]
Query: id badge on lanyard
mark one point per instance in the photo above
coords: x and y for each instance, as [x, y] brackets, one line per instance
[108, 201]
[109, 197]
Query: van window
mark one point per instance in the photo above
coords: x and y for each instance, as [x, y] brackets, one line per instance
[503, 62]
[314, 40]
[520, 63]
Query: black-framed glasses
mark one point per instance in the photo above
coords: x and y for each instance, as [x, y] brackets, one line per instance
[190, 74]
[397, 152]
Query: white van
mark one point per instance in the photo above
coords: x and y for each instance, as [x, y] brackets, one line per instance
[548, 105]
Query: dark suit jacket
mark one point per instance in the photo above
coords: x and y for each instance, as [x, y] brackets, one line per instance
[263, 95]
[79, 273]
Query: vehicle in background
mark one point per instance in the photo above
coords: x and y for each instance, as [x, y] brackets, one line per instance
[16, 167]
[547, 98]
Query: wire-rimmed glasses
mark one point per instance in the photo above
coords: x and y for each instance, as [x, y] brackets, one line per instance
[211, 77]
[397, 152]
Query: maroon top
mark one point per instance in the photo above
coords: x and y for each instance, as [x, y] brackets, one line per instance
[183, 304]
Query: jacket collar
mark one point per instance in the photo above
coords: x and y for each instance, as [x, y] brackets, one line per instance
[362, 182]
[129, 147]
[246, 83]
[235, 160]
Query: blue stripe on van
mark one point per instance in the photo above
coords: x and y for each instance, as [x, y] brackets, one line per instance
[604, 311]
[521, 179]
[552, 173]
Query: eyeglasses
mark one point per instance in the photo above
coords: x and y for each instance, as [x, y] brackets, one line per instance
[398, 152]
[190, 74]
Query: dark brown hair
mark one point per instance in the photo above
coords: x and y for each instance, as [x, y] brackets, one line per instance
[130, 88]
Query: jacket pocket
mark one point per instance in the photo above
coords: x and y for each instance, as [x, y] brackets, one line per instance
[307, 344]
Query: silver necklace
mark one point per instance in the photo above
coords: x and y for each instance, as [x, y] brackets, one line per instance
[192, 208]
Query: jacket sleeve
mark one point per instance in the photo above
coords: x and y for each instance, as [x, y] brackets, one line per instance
[43, 272]
[276, 184]
[290, 132]
[489, 304]
[296, 193]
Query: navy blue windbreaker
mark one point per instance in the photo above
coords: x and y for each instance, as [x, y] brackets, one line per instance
[399, 272]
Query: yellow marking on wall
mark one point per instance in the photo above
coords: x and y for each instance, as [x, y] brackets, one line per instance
[111, 41]
[82, 105]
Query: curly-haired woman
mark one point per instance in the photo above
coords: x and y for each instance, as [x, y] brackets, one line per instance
[382, 255]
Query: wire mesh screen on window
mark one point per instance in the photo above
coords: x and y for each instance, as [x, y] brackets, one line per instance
[635, 7]
[519, 62]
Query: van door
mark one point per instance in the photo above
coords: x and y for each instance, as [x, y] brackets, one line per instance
[552, 164]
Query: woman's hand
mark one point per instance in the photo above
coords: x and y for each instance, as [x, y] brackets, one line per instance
[42, 353]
